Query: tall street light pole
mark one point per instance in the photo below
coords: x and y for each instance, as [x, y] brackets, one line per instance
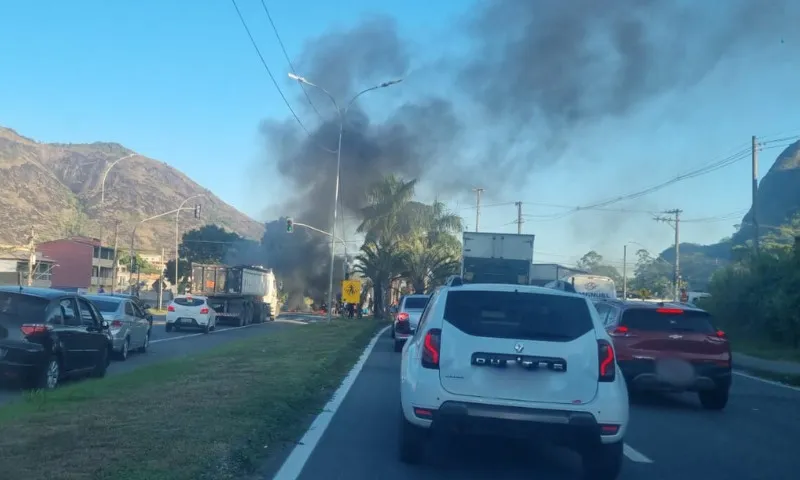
[105, 175]
[177, 216]
[133, 242]
[342, 115]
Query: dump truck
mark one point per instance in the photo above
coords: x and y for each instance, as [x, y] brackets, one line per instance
[497, 258]
[241, 295]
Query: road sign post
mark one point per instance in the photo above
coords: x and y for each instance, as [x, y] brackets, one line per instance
[351, 291]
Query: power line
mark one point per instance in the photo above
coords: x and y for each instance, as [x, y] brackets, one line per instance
[286, 55]
[271, 76]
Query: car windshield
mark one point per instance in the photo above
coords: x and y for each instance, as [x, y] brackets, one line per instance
[518, 315]
[106, 306]
[22, 307]
[189, 302]
[667, 320]
[415, 303]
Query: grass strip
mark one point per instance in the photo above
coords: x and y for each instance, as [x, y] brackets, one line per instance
[784, 378]
[215, 415]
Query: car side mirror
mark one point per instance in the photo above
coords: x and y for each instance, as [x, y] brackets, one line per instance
[105, 325]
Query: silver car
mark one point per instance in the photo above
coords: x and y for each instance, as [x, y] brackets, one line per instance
[407, 318]
[128, 324]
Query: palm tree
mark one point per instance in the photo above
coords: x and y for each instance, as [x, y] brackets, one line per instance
[382, 263]
[384, 216]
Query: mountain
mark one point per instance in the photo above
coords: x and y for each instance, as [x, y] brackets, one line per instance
[56, 189]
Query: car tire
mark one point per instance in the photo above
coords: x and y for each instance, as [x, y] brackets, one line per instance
[101, 367]
[169, 327]
[398, 345]
[41, 378]
[122, 355]
[412, 442]
[207, 328]
[716, 399]
[603, 461]
[143, 348]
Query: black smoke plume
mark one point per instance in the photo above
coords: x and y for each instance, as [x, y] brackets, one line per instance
[535, 73]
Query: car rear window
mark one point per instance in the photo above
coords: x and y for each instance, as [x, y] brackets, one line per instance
[415, 303]
[22, 308]
[668, 320]
[106, 306]
[189, 302]
[518, 315]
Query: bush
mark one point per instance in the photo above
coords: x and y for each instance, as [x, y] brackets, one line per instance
[760, 297]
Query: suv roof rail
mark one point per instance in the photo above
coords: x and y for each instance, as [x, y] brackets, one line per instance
[454, 281]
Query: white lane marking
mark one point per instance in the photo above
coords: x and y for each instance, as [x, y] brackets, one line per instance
[634, 455]
[294, 464]
[764, 380]
[169, 339]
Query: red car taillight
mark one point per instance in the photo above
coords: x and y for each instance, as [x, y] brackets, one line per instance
[170, 308]
[721, 334]
[430, 348]
[34, 329]
[204, 310]
[401, 317]
[620, 331]
[116, 324]
[605, 357]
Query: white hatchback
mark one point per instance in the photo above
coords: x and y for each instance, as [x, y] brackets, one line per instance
[514, 360]
[189, 311]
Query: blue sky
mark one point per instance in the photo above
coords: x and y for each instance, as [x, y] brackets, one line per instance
[178, 81]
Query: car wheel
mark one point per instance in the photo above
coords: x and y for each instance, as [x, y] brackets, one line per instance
[207, 328]
[398, 345]
[101, 367]
[146, 343]
[412, 442]
[603, 461]
[715, 399]
[169, 327]
[126, 348]
[49, 376]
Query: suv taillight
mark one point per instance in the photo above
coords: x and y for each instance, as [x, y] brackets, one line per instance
[204, 310]
[170, 308]
[34, 329]
[430, 348]
[605, 357]
[401, 317]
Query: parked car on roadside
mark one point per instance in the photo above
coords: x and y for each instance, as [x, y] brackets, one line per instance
[145, 307]
[128, 324]
[190, 311]
[47, 335]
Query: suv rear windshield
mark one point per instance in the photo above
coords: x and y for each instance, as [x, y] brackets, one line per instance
[189, 302]
[415, 303]
[518, 315]
[22, 308]
[650, 319]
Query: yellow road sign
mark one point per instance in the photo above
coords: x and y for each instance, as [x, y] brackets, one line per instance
[351, 291]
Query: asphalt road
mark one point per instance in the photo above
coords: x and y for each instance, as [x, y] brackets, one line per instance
[669, 438]
[165, 346]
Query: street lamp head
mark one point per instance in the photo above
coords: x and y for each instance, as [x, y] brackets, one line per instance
[298, 78]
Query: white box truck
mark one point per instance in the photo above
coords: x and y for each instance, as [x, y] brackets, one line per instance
[241, 295]
[497, 258]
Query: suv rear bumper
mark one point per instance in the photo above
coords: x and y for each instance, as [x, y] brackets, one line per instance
[641, 374]
[564, 427]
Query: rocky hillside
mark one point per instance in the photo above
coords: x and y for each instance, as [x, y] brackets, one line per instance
[55, 188]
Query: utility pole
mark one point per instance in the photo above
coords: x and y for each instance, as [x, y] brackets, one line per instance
[161, 282]
[625, 272]
[676, 224]
[478, 192]
[754, 206]
[114, 270]
[519, 217]
[31, 256]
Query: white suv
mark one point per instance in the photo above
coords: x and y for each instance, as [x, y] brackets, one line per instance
[514, 360]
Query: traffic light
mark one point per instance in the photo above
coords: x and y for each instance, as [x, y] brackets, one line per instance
[289, 225]
[197, 209]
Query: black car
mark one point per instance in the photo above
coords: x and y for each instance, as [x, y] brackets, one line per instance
[47, 335]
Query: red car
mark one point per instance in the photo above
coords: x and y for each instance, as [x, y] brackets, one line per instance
[669, 347]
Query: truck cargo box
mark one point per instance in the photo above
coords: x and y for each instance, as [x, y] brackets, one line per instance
[210, 280]
[497, 257]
